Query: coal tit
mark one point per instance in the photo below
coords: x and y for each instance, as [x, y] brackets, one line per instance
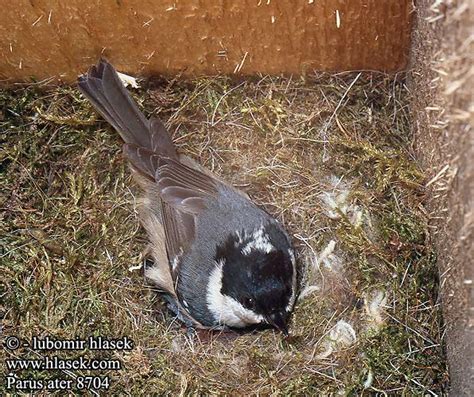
[219, 259]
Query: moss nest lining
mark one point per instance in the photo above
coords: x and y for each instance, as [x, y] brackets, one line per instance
[328, 155]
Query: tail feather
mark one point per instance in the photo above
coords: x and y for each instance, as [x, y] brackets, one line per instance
[103, 87]
[160, 140]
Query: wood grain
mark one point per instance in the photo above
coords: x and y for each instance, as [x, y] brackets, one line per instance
[53, 38]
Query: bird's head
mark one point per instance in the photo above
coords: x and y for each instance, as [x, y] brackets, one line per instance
[254, 280]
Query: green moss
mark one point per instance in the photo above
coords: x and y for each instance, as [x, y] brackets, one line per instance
[70, 233]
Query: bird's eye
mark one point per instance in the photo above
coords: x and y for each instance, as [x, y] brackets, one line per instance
[249, 303]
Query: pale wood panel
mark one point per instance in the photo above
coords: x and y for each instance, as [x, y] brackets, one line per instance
[43, 38]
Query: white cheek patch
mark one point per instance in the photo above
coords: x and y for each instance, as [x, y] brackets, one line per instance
[225, 309]
[258, 241]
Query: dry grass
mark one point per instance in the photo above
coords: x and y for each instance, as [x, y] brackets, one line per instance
[330, 156]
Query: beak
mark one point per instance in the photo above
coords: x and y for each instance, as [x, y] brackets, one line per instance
[278, 320]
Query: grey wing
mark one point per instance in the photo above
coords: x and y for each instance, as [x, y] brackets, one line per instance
[184, 191]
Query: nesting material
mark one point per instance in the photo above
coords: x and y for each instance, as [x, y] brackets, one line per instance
[337, 203]
[342, 335]
[374, 306]
[63, 174]
[128, 81]
[317, 265]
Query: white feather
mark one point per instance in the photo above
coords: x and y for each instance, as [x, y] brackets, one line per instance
[175, 262]
[292, 256]
[342, 335]
[308, 291]
[292, 301]
[258, 241]
[128, 80]
[375, 304]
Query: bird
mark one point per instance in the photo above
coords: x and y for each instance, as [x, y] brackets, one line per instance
[221, 261]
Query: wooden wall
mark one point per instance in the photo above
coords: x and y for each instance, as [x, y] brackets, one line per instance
[61, 38]
[442, 76]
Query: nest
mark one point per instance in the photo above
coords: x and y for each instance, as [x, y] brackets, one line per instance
[329, 155]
